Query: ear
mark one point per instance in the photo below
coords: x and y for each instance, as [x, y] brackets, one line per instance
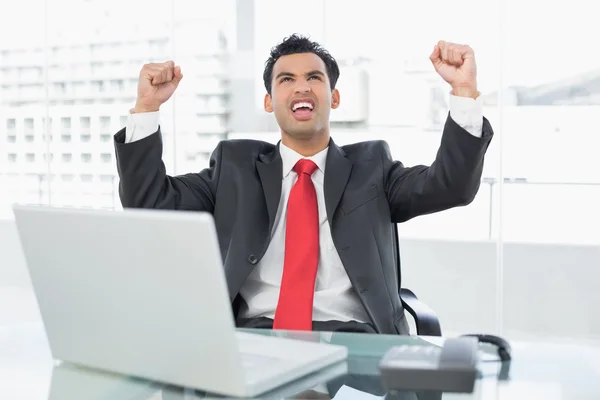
[335, 99]
[268, 103]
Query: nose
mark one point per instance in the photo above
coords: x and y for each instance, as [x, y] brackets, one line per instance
[302, 87]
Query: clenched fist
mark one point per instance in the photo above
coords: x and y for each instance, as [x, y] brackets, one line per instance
[156, 85]
[455, 63]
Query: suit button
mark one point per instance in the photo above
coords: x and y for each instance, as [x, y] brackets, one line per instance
[252, 259]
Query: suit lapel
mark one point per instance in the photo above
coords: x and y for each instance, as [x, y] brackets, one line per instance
[337, 173]
[269, 168]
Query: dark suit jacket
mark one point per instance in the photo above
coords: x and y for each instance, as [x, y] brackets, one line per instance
[365, 191]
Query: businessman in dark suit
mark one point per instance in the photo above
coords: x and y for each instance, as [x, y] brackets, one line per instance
[304, 226]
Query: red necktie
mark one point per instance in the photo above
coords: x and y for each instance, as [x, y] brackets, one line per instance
[295, 305]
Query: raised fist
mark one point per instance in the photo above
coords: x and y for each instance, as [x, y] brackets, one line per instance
[455, 63]
[156, 85]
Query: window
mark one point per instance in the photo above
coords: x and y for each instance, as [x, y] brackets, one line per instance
[122, 121]
[29, 125]
[104, 123]
[12, 158]
[30, 157]
[86, 178]
[11, 124]
[8, 92]
[105, 138]
[66, 157]
[158, 47]
[97, 67]
[59, 88]
[65, 123]
[85, 122]
[86, 157]
[65, 138]
[78, 89]
[118, 85]
[47, 126]
[106, 178]
[86, 138]
[29, 138]
[106, 157]
[98, 86]
[11, 139]
[48, 157]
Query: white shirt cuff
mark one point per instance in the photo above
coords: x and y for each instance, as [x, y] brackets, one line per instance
[141, 125]
[467, 113]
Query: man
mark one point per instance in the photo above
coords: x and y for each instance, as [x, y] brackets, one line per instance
[305, 226]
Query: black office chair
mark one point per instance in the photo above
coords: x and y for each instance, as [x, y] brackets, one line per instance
[426, 320]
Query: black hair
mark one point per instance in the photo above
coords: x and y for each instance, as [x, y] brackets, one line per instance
[296, 44]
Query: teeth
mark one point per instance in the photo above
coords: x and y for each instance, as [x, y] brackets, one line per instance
[298, 105]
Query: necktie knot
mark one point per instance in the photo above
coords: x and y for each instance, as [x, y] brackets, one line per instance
[305, 166]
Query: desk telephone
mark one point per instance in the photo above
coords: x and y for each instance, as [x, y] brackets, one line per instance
[451, 368]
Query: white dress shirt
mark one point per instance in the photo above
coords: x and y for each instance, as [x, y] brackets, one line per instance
[334, 298]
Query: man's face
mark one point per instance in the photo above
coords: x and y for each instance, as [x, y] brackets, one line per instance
[301, 95]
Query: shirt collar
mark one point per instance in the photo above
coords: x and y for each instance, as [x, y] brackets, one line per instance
[289, 158]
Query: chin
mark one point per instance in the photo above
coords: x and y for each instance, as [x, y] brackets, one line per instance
[302, 132]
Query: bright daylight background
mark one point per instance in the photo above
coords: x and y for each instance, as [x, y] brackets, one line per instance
[522, 260]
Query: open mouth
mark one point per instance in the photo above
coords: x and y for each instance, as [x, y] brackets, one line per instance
[303, 109]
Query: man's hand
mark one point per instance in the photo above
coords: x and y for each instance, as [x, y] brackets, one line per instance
[156, 85]
[455, 63]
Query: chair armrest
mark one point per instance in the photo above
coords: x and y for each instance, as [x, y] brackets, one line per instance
[426, 320]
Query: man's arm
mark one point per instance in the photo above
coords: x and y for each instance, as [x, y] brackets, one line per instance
[452, 180]
[145, 184]
[143, 179]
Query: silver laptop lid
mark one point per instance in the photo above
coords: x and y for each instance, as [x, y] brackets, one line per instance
[139, 292]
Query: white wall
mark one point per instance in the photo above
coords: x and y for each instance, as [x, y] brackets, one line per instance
[548, 290]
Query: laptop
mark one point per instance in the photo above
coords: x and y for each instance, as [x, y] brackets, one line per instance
[143, 293]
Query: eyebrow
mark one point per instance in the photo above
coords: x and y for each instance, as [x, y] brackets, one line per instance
[315, 72]
[311, 73]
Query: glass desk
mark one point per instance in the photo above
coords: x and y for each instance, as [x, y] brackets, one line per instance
[545, 371]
